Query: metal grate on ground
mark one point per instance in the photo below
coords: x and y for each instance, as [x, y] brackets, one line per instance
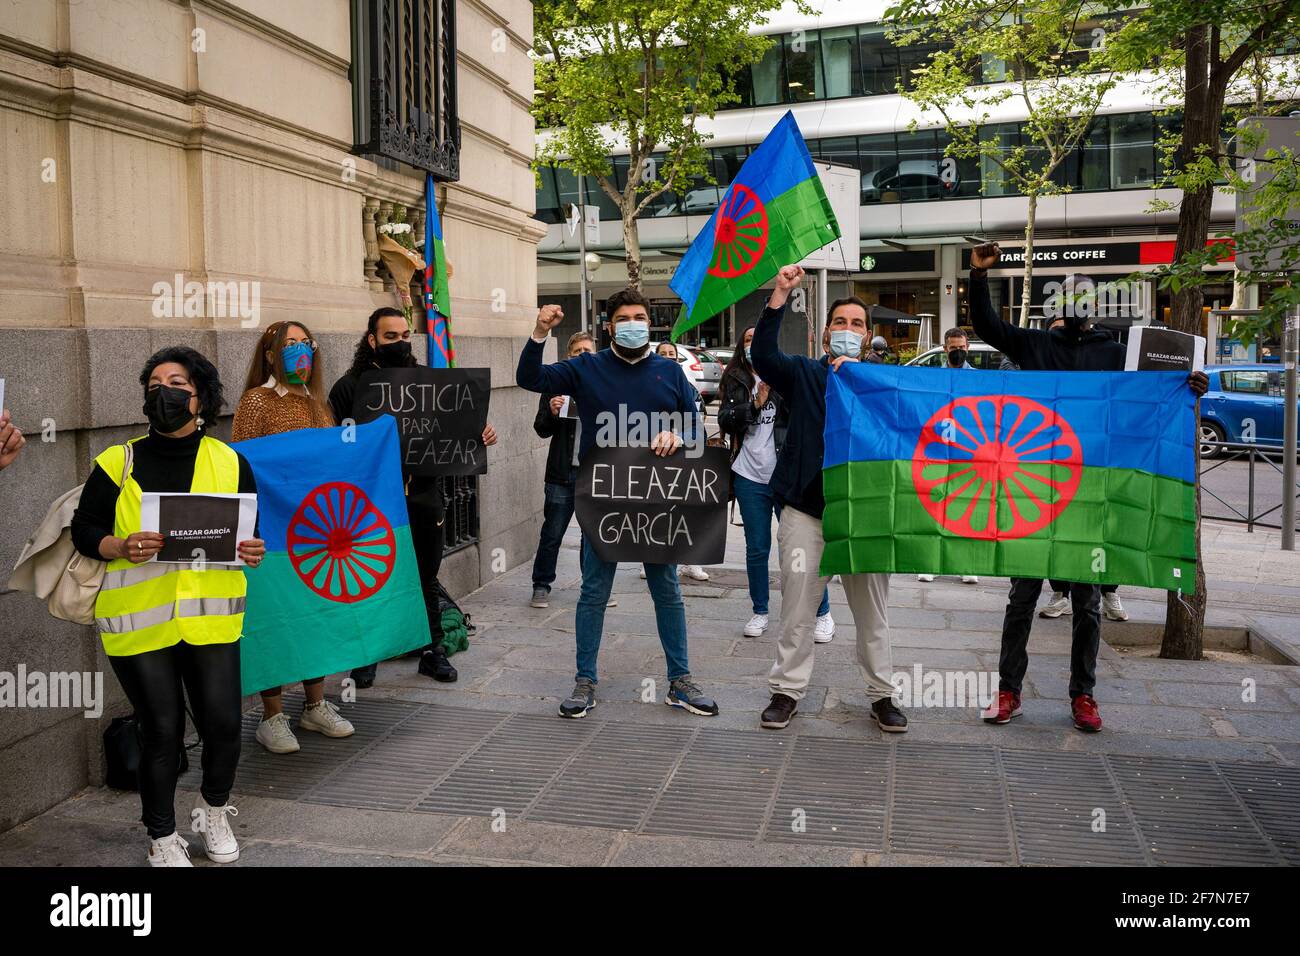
[965, 801]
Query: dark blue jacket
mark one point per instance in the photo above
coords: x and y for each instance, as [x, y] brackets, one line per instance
[801, 383]
[601, 382]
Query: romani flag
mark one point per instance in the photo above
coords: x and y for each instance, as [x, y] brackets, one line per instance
[437, 296]
[1079, 476]
[773, 214]
[339, 587]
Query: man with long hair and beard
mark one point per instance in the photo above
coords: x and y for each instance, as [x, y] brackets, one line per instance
[387, 344]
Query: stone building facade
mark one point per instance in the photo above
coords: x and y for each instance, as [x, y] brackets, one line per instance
[211, 140]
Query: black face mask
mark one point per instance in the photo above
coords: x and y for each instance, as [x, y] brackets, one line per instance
[394, 354]
[957, 358]
[167, 408]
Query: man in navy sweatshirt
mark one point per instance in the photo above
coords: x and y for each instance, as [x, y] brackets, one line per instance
[624, 387]
[797, 486]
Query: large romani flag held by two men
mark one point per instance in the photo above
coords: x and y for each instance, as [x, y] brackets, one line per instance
[1078, 476]
[773, 214]
[339, 587]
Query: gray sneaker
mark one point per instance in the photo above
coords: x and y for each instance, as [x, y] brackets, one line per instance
[541, 598]
[580, 701]
[685, 693]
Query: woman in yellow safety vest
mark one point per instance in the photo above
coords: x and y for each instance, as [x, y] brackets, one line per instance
[172, 629]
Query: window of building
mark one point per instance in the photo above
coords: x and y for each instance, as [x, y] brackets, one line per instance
[1006, 136]
[767, 86]
[877, 155]
[879, 59]
[1132, 156]
[803, 66]
[841, 63]
[404, 84]
[548, 200]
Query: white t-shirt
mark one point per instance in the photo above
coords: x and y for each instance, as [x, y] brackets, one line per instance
[757, 458]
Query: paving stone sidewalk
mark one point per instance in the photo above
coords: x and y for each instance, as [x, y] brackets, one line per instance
[1191, 768]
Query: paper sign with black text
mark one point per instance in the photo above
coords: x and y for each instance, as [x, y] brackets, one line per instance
[206, 528]
[635, 506]
[440, 412]
[1163, 350]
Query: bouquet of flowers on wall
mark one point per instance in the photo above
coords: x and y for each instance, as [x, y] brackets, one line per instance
[397, 250]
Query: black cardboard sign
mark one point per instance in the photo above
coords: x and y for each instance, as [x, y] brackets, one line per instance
[440, 412]
[634, 506]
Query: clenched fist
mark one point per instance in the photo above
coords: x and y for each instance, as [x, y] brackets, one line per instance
[787, 279]
[985, 256]
[548, 317]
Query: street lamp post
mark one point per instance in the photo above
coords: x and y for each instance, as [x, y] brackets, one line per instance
[1290, 340]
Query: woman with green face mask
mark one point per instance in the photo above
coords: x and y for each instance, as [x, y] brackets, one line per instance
[282, 394]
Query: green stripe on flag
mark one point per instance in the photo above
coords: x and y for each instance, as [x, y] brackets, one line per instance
[1121, 527]
[292, 633]
[799, 221]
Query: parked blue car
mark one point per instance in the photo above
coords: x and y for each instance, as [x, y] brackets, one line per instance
[1244, 404]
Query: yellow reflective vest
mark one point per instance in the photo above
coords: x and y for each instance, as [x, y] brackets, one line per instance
[146, 607]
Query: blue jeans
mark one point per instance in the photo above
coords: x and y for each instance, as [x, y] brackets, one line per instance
[557, 512]
[757, 506]
[670, 613]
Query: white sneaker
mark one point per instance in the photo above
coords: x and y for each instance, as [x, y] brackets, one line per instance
[925, 577]
[756, 626]
[211, 824]
[695, 572]
[170, 851]
[969, 579]
[1114, 610]
[324, 718]
[1058, 605]
[824, 632]
[275, 734]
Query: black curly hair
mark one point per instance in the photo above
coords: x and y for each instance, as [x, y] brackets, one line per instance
[203, 376]
[363, 359]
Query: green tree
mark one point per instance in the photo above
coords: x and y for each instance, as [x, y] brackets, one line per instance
[637, 75]
[1216, 57]
[1045, 60]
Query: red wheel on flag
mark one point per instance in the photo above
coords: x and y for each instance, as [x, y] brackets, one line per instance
[996, 466]
[340, 544]
[740, 233]
[302, 368]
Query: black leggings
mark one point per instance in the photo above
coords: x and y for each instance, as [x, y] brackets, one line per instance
[153, 683]
[427, 514]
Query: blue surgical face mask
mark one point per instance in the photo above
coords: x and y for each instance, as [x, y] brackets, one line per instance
[748, 355]
[845, 342]
[632, 334]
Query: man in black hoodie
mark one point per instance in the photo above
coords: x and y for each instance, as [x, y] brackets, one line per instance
[1074, 346]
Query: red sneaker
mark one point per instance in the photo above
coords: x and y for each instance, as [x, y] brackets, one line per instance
[1004, 708]
[1084, 709]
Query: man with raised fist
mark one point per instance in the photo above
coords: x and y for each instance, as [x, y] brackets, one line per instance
[624, 383]
[1072, 345]
[797, 487]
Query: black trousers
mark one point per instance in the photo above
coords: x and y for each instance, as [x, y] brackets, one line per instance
[156, 683]
[1063, 587]
[1085, 600]
[427, 514]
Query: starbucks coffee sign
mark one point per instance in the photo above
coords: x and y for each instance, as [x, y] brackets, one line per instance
[868, 263]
